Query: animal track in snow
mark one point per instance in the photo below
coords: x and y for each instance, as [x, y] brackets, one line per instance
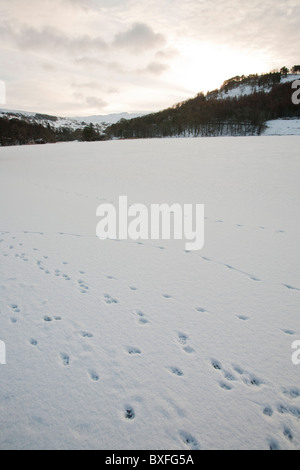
[273, 444]
[110, 300]
[175, 371]
[133, 351]
[94, 376]
[33, 342]
[216, 364]
[15, 308]
[47, 319]
[288, 433]
[289, 332]
[225, 386]
[85, 334]
[291, 287]
[82, 286]
[201, 310]
[242, 317]
[65, 359]
[182, 339]
[287, 409]
[189, 440]
[292, 392]
[129, 413]
[141, 317]
[268, 411]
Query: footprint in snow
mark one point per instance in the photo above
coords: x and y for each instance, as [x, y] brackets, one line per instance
[129, 413]
[189, 440]
[273, 444]
[268, 411]
[289, 332]
[292, 392]
[287, 409]
[65, 359]
[93, 375]
[225, 386]
[33, 342]
[141, 317]
[133, 351]
[216, 364]
[288, 433]
[242, 317]
[201, 310]
[15, 308]
[85, 334]
[110, 300]
[47, 319]
[182, 339]
[175, 371]
[291, 287]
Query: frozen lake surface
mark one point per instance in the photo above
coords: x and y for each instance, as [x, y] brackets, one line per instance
[140, 344]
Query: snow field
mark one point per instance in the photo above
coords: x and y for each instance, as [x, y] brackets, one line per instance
[142, 345]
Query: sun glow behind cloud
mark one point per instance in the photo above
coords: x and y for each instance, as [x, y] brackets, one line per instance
[204, 66]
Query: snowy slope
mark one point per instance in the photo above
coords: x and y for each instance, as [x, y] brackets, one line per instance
[141, 345]
[107, 118]
[74, 123]
[244, 90]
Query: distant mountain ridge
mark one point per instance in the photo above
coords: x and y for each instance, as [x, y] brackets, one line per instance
[72, 122]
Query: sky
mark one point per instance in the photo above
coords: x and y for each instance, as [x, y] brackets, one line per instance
[87, 57]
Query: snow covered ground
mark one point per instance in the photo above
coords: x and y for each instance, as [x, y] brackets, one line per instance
[140, 344]
[283, 127]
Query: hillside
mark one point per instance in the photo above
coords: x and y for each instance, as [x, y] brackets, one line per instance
[22, 127]
[242, 106]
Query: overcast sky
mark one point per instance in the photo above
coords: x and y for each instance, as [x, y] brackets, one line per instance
[83, 57]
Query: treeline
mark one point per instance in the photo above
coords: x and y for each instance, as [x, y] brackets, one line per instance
[212, 116]
[20, 132]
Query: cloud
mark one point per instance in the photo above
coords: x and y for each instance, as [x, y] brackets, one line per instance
[97, 103]
[139, 38]
[49, 39]
[156, 68]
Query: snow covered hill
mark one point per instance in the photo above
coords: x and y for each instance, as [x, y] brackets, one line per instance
[72, 123]
[244, 90]
[108, 118]
[141, 344]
